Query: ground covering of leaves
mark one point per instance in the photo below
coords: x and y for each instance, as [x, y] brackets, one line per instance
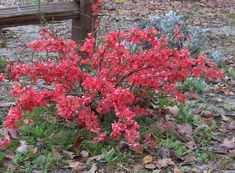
[196, 137]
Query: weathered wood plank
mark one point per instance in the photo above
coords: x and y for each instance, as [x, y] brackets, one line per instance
[32, 14]
[85, 24]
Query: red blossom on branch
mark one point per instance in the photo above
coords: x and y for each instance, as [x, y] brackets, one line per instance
[1, 77]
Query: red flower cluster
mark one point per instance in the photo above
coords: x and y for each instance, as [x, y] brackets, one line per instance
[95, 7]
[111, 77]
[1, 77]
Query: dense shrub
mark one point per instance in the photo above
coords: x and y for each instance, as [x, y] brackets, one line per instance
[86, 84]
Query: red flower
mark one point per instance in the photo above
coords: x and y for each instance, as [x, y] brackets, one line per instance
[13, 116]
[1, 77]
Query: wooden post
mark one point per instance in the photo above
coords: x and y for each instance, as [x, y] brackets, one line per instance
[84, 24]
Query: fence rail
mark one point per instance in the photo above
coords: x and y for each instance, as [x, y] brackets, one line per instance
[78, 11]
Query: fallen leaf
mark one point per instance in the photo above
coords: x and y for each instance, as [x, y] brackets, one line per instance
[156, 171]
[147, 159]
[189, 158]
[150, 141]
[176, 170]
[163, 153]
[207, 114]
[231, 126]
[167, 126]
[93, 169]
[163, 163]
[225, 118]
[173, 110]
[93, 159]
[185, 131]
[191, 145]
[68, 154]
[12, 133]
[119, 1]
[150, 166]
[138, 149]
[76, 166]
[23, 147]
[228, 144]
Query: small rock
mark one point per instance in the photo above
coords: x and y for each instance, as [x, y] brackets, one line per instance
[84, 154]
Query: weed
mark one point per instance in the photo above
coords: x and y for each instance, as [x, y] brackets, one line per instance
[172, 143]
[185, 116]
[110, 155]
[145, 123]
[38, 135]
[229, 71]
[161, 101]
[204, 155]
[3, 64]
[2, 156]
[193, 84]
[203, 135]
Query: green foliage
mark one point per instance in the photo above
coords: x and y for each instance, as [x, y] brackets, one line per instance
[3, 64]
[29, 161]
[108, 119]
[161, 101]
[230, 71]
[174, 144]
[38, 135]
[204, 155]
[110, 155]
[92, 148]
[44, 130]
[2, 156]
[184, 116]
[145, 123]
[107, 151]
[193, 84]
[35, 2]
[203, 135]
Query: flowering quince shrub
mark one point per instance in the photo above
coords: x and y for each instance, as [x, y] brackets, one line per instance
[110, 78]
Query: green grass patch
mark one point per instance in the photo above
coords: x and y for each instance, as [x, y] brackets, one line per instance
[194, 85]
[174, 144]
[184, 116]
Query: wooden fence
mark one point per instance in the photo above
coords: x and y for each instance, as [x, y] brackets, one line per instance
[78, 10]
